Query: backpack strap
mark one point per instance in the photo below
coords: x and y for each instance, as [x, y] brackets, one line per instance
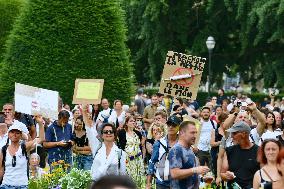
[212, 123]
[251, 137]
[166, 149]
[25, 153]
[4, 151]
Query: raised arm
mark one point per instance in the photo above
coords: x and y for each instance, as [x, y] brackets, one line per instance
[261, 121]
[90, 130]
[32, 143]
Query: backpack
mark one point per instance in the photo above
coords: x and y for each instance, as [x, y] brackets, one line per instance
[118, 154]
[162, 166]
[212, 123]
[106, 118]
[24, 153]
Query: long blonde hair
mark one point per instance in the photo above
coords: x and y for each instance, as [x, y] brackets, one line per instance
[162, 126]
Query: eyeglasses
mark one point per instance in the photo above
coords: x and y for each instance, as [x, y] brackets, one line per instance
[14, 161]
[108, 132]
[214, 98]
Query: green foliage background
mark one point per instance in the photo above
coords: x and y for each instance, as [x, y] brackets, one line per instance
[55, 42]
[249, 36]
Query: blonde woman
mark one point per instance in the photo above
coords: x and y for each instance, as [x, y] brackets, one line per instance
[156, 132]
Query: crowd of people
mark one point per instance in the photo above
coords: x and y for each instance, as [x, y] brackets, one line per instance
[161, 142]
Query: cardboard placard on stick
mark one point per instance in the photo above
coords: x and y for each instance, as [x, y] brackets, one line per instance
[181, 75]
[34, 100]
[88, 91]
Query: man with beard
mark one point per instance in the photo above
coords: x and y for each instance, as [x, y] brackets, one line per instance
[203, 144]
[150, 110]
[184, 168]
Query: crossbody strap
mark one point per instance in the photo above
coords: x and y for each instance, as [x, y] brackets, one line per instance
[268, 175]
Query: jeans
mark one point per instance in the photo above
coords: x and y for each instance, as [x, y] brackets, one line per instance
[84, 162]
[4, 186]
[162, 187]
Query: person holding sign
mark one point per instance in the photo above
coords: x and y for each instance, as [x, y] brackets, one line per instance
[108, 158]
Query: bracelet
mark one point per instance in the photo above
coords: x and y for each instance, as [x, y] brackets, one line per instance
[193, 170]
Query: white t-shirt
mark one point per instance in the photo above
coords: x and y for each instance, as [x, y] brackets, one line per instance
[269, 135]
[205, 135]
[15, 176]
[121, 118]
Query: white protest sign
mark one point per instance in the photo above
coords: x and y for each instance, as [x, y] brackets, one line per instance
[33, 100]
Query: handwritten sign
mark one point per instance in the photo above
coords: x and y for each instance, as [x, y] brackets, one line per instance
[88, 91]
[181, 75]
[34, 100]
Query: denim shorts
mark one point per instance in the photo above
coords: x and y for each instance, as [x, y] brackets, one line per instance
[5, 186]
[84, 161]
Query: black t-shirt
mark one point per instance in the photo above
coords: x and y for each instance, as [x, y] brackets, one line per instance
[81, 141]
[140, 105]
[243, 163]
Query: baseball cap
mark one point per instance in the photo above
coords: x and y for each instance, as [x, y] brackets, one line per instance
[239, 126]
[174, 120]
[16, 126]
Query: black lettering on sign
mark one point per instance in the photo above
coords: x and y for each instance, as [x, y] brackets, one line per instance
[196, 66]
[189, 61]
[201, 64]
[183, 61]
[168, 88]
[176, 86]
[176, 57]
[189, 94]
[170, 60]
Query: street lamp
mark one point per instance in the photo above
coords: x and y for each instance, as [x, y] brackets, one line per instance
[210, 43]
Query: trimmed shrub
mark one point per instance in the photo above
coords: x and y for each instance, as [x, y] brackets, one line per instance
[10, 9]
[55, 42]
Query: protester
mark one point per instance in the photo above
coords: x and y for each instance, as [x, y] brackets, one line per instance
[133, 143]
[140, 103]
[239, 162]
[156, 132]
[59, 140]
[215, 141]
[117, 116]
[221, 96]
[184, 166]
[35, 171]
[204, 137]
[108, 158]
[150, 110]
[84, 158]
[160, 117]
[10, 116]
[159, 163]
[14, 157]
[267, 157]
[76, 113]
[280, 167]
[104, 114]
[95, 111]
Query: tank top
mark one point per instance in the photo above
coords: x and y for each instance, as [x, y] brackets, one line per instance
[17, 173]
[266, 184]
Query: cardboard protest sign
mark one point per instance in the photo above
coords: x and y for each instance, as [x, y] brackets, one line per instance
[181, 75]
[33, 100]
[88, 91]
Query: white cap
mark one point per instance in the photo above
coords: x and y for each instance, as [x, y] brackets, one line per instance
[16, 126]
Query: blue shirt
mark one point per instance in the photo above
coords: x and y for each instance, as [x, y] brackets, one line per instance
[55, 133]
[183, 158]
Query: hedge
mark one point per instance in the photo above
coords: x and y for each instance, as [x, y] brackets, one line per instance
[203, 96]
[10, 10]
[55, 42]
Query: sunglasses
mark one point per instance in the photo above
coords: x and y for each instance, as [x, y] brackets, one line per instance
[14, 161]
[171, 125]
[108, 132]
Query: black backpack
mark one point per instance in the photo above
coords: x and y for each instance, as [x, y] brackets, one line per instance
[24, 153]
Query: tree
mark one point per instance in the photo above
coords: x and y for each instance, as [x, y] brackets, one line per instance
[55, 42]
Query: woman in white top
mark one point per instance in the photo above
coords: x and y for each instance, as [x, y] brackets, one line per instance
[14, 156]
[270, 128]
[117, 116]
[108, 158]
